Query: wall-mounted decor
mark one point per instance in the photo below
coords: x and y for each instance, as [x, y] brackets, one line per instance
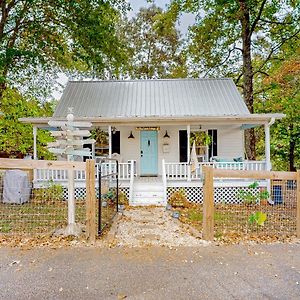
[155, 128]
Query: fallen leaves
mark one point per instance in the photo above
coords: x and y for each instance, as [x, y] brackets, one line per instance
[53, 242]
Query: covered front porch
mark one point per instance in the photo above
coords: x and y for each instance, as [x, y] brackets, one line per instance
[161, 147]
[165, 144]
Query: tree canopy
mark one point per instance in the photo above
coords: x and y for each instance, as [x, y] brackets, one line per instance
[239, 39]
[40, 37]
[155, 46]
[16, 139]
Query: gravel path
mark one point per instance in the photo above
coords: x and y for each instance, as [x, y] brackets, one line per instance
[150, 226]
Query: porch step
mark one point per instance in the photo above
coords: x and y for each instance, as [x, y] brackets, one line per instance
[148, 193]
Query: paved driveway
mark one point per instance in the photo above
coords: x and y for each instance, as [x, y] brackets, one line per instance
[227, 272]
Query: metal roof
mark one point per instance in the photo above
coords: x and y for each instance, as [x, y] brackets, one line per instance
[152, 98]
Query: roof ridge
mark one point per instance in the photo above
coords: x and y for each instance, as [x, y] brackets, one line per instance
[155, 79]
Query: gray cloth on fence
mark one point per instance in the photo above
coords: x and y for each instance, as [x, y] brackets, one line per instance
[16, 187]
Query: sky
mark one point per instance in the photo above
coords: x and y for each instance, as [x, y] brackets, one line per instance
[185, 21]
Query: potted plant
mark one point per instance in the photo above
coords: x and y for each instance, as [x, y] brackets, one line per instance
[123, 201]
[264, 197]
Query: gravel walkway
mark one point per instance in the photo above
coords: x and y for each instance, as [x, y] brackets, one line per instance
[148, 226]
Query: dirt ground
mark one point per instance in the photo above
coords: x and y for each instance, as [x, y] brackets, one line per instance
[153, 226]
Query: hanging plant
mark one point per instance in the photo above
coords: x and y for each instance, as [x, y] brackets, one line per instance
[100, 136]
[201, 138]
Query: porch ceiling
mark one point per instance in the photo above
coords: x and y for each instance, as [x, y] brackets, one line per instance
[250, 119]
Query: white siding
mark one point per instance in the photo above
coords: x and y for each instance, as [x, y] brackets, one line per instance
[230, 143]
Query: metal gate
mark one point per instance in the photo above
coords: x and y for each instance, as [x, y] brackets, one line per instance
[108, 195]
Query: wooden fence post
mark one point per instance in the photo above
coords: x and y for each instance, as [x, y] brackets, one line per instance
[90, 201]
[208, 204]
[298, 203]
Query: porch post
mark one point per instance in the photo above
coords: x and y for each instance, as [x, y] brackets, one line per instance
[109, 142]
[188, 129]
[268, 153]
[93, 150]
[267, 145]
[34, 130]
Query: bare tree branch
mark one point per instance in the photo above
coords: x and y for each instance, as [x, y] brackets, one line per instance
[278, 46]
[258, 17]
[276, 22]
[238, 78]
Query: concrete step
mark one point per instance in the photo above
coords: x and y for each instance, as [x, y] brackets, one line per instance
[137, 201]
[147, 188]
[148, 194]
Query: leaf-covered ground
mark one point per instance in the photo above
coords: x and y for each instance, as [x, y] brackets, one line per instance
[233, 225]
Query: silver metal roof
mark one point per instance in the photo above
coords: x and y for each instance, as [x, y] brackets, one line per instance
[152, 98]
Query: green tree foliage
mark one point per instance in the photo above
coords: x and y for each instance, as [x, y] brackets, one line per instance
[39, 37]
[282, 93]
[16, 139]
[229, 34]
[155, 45]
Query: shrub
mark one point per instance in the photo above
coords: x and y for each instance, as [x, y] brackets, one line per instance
[178, 199]
[123, 200]
[249, 197]
[51, 192]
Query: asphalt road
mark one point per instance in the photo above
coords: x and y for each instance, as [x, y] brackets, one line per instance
[213, 272]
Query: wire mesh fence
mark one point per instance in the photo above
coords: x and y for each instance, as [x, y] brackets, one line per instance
[258, 213]
[108, 184]
[266, 209]
[26, 209]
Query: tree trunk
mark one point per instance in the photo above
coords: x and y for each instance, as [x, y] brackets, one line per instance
[292, 146]
[2, 89]
[247, 75]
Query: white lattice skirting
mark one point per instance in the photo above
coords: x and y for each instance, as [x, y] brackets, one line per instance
[221, 194]
[193, 194]
[80, 193]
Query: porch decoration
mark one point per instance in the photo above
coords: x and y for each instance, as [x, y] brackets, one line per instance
[155, 128]
[194, 159]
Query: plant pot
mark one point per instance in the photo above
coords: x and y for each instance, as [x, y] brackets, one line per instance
[168, 207]
[264, 202]
[121, 207]
[176, 214]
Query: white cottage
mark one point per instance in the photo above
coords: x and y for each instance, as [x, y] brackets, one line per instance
[150, 125]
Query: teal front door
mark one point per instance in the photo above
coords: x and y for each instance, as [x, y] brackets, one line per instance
[148, 153]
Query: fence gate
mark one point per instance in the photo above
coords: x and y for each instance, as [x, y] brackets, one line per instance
[108, 195]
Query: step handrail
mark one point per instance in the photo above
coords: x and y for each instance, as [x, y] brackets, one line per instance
[164, 179]
[131, 180]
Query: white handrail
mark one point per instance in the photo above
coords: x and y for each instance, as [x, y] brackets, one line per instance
[131, 180]
[42, 175]
[181, 171]
[164, 179]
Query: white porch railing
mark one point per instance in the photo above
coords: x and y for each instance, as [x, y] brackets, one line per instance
[181, 171]
[125, 172]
